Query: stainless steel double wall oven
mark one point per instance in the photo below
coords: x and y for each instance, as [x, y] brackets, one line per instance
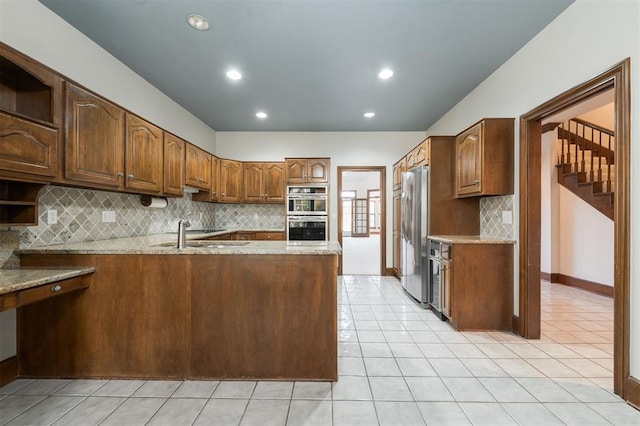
[307, 210]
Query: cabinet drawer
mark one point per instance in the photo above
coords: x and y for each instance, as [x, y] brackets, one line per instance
[270, 236]
[47, 291]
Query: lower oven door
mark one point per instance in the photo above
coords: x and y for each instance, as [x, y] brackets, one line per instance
[307, 228]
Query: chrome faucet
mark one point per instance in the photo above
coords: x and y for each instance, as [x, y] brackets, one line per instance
[182, 235]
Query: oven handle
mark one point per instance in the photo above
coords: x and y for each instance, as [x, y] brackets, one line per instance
[306, 219]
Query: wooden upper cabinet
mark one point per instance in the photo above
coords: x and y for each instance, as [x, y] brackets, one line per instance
[264, 182]
[484, 158]
[30, 117]
[230, 181]
[143, 156]
[174, 158]
[215, 179]
[94, 139]
[307, 170]
[398, 169]
[418, 156]
[198, 168]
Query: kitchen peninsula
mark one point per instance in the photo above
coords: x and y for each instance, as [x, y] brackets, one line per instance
[214, 310]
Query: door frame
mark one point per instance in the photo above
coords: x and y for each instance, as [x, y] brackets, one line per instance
[382, 171]
[528, 323]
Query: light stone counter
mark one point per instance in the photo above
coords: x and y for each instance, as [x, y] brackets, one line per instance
[469, 239]
[20, 279]
[167, 244]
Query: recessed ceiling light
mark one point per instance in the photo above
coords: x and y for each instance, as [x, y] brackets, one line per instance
[261, 115]
[198, 22]
[234, 75]
[385, 74]
[369, 114]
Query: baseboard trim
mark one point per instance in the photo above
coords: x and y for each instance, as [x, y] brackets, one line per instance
[633, 392]
[388, 272]
[601, 289]
[515, 324]
[8, 370]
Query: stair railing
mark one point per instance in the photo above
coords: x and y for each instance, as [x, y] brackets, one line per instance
[578, 137]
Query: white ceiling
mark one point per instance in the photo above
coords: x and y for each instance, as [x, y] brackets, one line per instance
[312, 65]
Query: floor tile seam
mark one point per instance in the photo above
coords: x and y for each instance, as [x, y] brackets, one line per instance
[502, 404]
[66, 412]
[124, 399]
[42, 398]
[587, 405]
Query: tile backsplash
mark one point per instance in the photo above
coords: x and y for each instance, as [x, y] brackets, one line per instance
[491, 209]
[79, 218]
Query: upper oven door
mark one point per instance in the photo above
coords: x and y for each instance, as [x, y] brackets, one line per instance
[307, 204]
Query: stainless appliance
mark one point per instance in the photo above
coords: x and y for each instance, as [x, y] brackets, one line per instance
[307, 200]
[307, 228]
[414, 230]
[439, 258]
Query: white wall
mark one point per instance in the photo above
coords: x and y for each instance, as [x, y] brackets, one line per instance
[566, 53]
[31, 28]
[586, 240]
[549, 202]
[344, 149]
[360, 182]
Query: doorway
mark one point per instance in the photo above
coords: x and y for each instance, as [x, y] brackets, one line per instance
[361, 220]
[528, 324]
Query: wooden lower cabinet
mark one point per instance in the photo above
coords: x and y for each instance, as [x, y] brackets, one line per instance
[187, 316]
[479, 284]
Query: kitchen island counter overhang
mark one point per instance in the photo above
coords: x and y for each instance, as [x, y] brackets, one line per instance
[264, 310]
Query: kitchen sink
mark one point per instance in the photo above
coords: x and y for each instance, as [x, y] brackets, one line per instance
[207, 244]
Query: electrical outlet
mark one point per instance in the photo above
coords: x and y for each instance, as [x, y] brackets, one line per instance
[52, 216]
[507, 217]
[108, 216]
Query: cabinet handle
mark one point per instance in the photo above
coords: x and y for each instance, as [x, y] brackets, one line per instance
[130, 176]
[223, 194]
[56, 288]
[476, 182]
[119, 175]
[213, 193]
[268, 237]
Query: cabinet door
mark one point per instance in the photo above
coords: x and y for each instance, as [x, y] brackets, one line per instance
[94, 143]
[469, 161]
[420, 153]
[27, 147]
[273, 182]
[445, 276]
[296, 170]
[318, 170]
[174, 154]
[230, 181]
[215, 178]
[398, 169]
[411, 160]
[253, 186]
[198, 168]
[143, 159]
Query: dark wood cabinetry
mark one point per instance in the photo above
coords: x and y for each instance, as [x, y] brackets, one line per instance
[174, 165]
[307, 170]
[94, 139]
[198, 168]
[398, 169]
[230, 181]
[418, 156]
[264, 182]
[480, 286]
[484, 158]
[144, 149]
[19, 202]
[30, 118]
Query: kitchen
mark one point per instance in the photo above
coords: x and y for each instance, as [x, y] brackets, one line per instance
[381, 147]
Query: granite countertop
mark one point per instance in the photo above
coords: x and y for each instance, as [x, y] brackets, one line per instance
[20, 279]
[166, 244]
[470, 239]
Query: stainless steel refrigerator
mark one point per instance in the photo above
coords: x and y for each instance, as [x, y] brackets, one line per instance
[414, 230]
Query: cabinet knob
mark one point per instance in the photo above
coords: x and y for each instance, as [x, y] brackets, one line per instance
[268, 237]
[213, 193]
[130, 176]
[476, 182]
[56, 288]
[223, 194]
[119, 175]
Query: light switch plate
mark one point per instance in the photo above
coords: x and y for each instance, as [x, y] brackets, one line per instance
[507, 217]
[108, 216]
[52, 217]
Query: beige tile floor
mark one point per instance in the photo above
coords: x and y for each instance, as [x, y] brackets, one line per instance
[399, 365]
